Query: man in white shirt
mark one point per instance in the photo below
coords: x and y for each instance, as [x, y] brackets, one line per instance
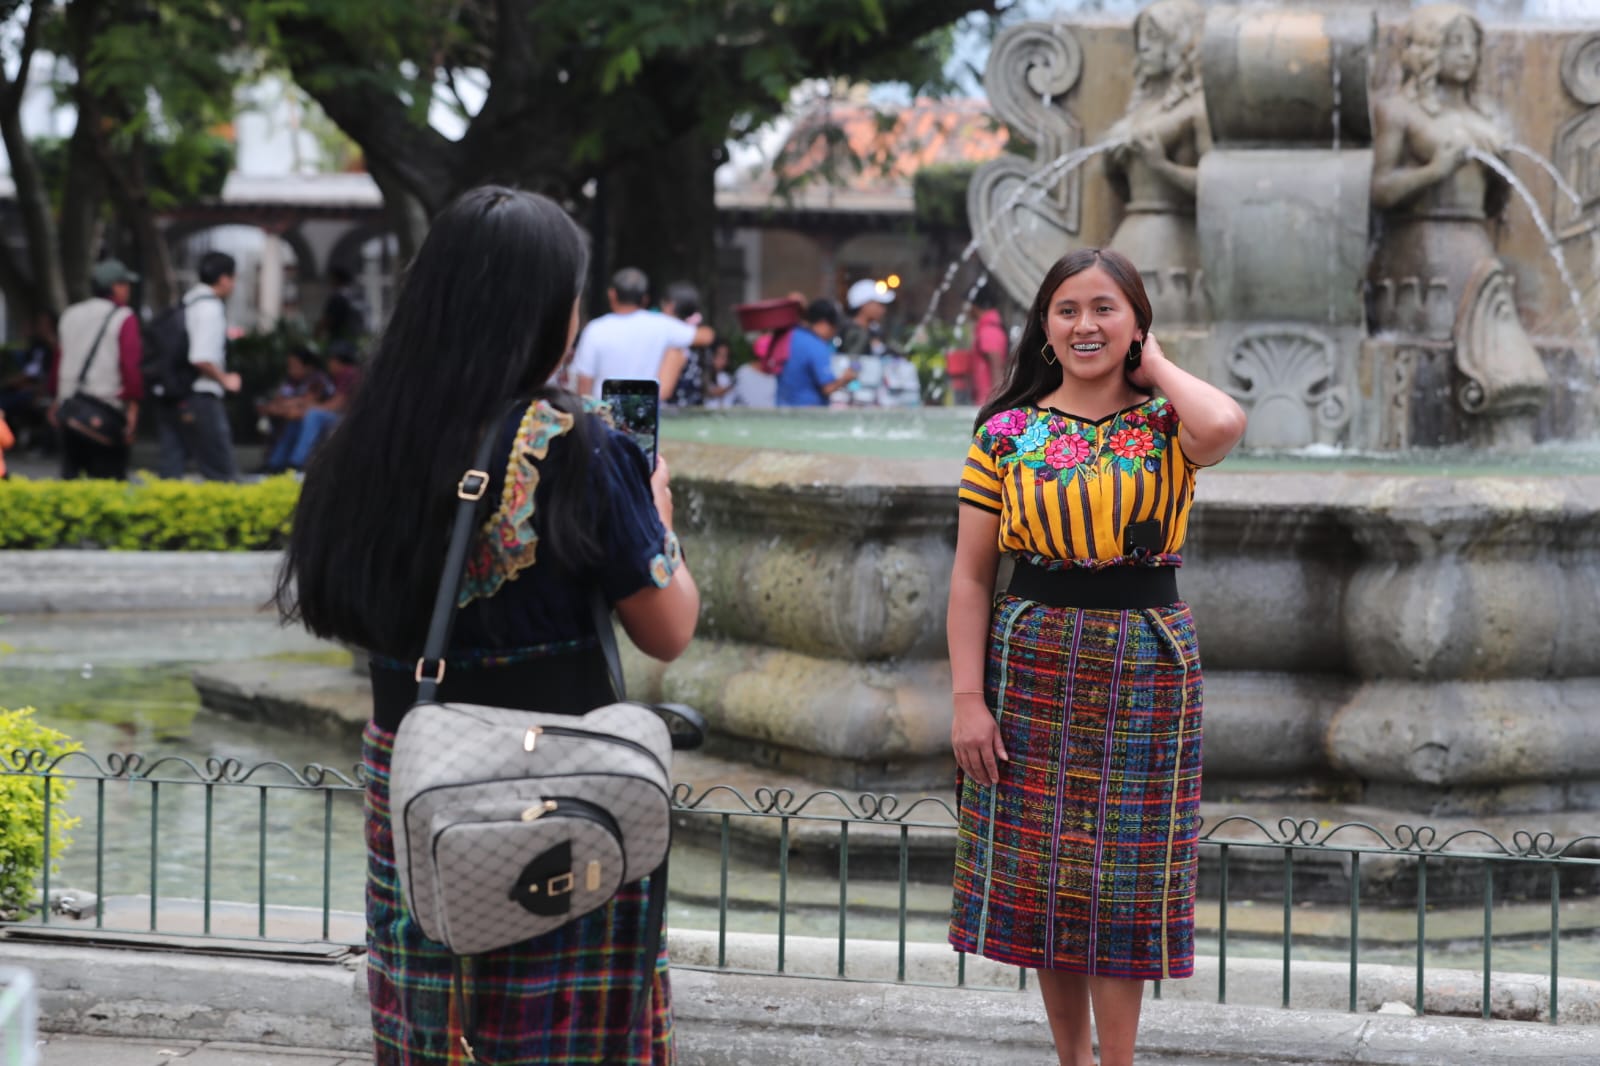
[196, 425]
[630, 341]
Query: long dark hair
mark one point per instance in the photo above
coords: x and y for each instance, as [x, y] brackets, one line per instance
[1029, 378]
[480, 320]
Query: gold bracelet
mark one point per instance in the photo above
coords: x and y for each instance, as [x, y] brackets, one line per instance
[967, 692]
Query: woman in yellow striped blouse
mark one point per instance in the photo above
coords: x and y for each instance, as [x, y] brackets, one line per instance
[1077, 690]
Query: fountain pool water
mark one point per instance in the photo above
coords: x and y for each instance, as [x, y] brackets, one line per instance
[943, 433]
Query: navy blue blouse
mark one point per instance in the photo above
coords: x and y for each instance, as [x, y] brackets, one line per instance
[515, 606]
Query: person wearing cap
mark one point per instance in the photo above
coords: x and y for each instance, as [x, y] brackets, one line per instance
[869, 302]
[102, 335]
[807, 378]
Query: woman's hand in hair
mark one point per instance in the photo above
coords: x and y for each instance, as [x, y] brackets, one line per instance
[662, 492]
[1150, 357]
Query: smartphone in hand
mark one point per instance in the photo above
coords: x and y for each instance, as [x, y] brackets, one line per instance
[636, 411]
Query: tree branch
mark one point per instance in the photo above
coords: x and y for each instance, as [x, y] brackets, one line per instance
[33, 198]
[418, 157]
[30, 45]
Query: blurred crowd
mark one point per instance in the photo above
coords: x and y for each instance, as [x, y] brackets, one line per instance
[796, 351]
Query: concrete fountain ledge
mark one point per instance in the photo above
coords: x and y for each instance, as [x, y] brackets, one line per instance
[75, 582]
[1424, 642]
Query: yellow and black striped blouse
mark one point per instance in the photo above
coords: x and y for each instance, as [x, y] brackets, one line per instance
[1071, 491]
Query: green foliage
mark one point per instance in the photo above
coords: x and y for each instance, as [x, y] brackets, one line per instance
[599, 80]
[188, 167]
[939, 195]
[927, 350]
[153, 515]
[22, 820]
[162, 73]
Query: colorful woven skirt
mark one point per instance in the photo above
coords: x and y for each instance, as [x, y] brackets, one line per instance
[1083, 857]
[565, 997]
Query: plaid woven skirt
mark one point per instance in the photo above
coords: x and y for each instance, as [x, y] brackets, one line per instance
[1083, 857]
[565, 997]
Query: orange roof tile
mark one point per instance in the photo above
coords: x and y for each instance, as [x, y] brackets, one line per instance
[892, 143]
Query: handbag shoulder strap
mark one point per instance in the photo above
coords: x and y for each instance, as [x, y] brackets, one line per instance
[94, 348]
[469, 492]
[608, 641]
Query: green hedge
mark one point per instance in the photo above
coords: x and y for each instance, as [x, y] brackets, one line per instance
[151, 515]
[22, 856]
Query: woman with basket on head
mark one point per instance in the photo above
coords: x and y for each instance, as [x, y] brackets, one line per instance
[572, 522]
[1077, 690]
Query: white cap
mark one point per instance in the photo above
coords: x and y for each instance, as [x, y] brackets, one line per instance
[868, 291]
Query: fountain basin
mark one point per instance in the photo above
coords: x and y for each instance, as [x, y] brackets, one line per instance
[1412, 638]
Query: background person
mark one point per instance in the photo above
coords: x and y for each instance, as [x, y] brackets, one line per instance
[1077, 691]
[303, 387]
[807, 379]
[101, 333]
[631, 341]
[869, 302]
[719, 382]
[196, 426]
[990, 344]
[683, 370]
[321, 417]
[343, 322]
[486, 312]
[24, 388]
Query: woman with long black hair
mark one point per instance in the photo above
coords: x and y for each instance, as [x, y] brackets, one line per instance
[1077, 690]
[486, 312]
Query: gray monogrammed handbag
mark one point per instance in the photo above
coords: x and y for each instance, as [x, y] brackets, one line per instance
[510, 823]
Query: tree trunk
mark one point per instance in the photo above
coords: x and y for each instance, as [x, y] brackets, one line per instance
[33, 202]
[125, 176]
[125, 179]
[161, 284]
[407, 214]
[81, 203]
[661, 216]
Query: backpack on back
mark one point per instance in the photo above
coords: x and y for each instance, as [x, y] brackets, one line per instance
[168, 373]
[772, 350]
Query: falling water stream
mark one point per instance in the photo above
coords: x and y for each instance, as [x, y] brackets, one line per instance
[1059, 168]
[1338, 179]
[1498, 165]
[1549, 168]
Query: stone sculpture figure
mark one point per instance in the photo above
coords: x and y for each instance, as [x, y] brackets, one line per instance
[1436, 275]
[1155, 166]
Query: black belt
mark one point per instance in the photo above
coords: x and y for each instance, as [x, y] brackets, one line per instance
[573, 682]
[1111, 588]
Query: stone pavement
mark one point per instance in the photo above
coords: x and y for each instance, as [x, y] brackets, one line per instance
[60, 1049]
[63, 1049]
[144, 1008]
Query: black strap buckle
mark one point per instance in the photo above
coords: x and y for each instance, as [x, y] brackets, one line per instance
[473, 484]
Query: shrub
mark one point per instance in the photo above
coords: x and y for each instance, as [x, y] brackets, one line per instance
[152, 515]
[22, 856]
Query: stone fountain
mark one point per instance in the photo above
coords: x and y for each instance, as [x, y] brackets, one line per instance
[1318, 200]
[1422, 644]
